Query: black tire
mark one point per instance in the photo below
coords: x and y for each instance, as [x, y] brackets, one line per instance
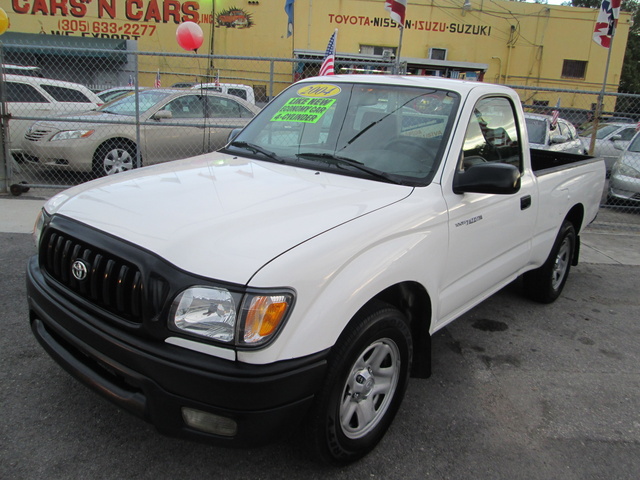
[545, 283]
[18, 189]
[364, 387]
[114, 157]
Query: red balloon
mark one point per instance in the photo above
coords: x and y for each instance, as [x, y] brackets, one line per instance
[189, 35]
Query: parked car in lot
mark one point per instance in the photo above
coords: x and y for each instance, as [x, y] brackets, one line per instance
[32, 96]
[173, 124]
[624, 184]
[237, 89]
[26, 70]
[111, 94]
[563, 137]
[607, 134]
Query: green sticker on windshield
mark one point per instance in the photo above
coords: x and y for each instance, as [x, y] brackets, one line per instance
[303, 109]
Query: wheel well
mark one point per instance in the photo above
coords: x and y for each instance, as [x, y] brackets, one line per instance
[576, 217]
[117, 141]
[415, 304]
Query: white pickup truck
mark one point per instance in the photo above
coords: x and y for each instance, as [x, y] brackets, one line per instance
[295, 277]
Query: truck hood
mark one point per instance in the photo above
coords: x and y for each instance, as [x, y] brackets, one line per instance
[222, 216]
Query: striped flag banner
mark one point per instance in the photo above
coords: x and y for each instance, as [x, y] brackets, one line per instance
[327, 67]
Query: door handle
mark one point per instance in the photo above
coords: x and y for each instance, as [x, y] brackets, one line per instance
[525, 202]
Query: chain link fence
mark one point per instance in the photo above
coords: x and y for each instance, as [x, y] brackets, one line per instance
[70, 114]
[612, 134]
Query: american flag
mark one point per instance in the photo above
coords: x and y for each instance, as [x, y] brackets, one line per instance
[329, 56]
[606, 22]
[157, 83]
[397, 9]
[555, 114]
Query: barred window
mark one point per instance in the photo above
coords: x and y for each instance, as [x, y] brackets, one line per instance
[574, 69]
[377, 50]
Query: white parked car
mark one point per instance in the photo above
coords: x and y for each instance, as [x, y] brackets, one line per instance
[35, 97]
[561, 138]
[245, 92]
[111, 94]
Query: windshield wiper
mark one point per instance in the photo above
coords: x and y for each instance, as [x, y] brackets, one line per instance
[342, 161]
[257, 149]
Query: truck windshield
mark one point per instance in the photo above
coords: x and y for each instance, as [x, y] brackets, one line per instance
[386, 133]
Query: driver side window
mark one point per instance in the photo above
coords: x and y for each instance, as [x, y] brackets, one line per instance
[492, 135]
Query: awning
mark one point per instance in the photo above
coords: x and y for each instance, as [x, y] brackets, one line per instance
[411, 62]
[340, 57]
[428, 62]
[62, 45]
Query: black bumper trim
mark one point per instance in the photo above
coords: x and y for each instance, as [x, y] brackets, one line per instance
[134, 402]
[155, 380]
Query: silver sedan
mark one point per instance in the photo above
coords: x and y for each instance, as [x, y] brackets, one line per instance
[563, 137]
[607, 135]
[172, 124]
[624, 184]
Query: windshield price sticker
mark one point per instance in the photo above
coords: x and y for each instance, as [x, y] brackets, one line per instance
[319, 90]
[305, 110]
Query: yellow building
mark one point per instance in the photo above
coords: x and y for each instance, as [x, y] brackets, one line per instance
[499, 41]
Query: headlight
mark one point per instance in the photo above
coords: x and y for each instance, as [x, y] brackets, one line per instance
[209, 312]
[71, 134]
[626, 170]
[213, 313]
[41, 220]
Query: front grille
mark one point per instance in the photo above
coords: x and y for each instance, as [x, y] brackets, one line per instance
[109, 282]
[35, 135]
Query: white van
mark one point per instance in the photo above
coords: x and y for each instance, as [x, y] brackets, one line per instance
[26, 70]
[36, 97]
[243, 91]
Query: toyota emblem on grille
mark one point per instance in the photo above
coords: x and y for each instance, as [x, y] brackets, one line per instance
[79, 270]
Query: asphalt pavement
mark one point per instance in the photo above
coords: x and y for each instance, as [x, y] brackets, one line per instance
[519, 391]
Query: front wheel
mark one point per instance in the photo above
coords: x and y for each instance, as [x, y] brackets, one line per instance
[545, 283]
[365, 383]
[114, 157]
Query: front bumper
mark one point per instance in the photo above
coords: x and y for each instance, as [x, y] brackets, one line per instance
[76, 155]
[155, 380]
[624, 188]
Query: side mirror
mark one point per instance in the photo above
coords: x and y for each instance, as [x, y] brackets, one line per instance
[621, 144]
[616, 137]
[496, 178]
[162, 115]
[559, 139]
[233, 134]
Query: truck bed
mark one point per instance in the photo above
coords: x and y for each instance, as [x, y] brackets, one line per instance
[546, 161]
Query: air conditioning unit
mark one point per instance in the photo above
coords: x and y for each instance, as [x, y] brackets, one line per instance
[438, 53]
